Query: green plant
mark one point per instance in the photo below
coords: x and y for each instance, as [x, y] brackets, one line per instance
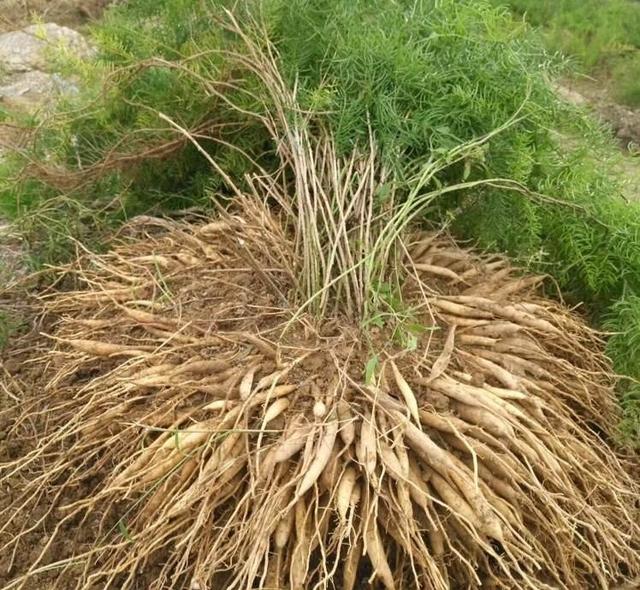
[10, 324]
[623, 344]
[626, 74]
[6, 329]
[411, 82]
[412, 79]
[108, 149]
[593, 31]
[601, 36]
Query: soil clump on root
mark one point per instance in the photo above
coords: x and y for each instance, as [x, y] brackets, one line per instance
[211, 437]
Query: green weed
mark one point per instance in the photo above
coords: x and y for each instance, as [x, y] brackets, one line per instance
[626, 80]
[417, 78]
[10, 324]
[601, 36]
[623, 345]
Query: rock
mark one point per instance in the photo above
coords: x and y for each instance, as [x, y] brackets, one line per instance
[25, 79]
[26, 50]
[625, 122]
[28, 88]
[34, 88]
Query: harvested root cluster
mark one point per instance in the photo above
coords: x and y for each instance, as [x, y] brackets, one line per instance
[225, 446]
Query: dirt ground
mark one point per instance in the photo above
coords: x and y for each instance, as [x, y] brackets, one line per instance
[624, 122]
[625, 125]
[15, 14]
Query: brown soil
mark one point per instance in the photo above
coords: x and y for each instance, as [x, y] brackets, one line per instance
[18, 379]
[596, 93]
[70, 13]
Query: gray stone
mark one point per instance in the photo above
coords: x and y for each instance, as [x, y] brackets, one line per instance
[26, 81]
[27, 49]
[27, 88]
[34, 88]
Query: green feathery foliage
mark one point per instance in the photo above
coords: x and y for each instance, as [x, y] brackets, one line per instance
[597, 34]
[623, 345]
[106, 154]
[419, 77]
[427, 78]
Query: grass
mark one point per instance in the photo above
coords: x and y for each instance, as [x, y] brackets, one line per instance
[6, 329]
[107, 155]
[602, 36]
[419, 80]
[10, 324]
